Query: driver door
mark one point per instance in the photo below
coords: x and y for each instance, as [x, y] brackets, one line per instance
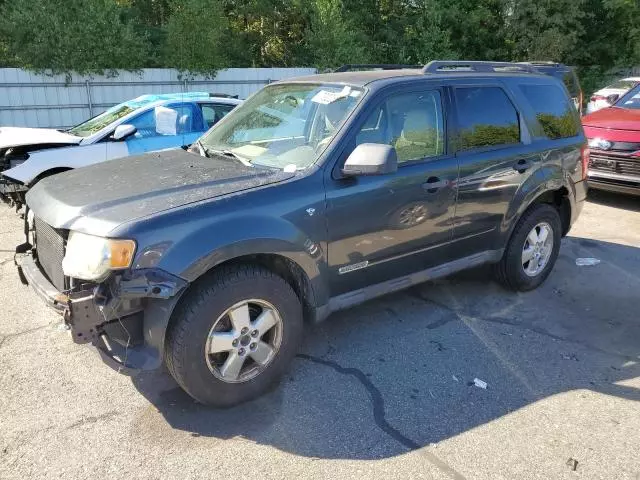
[387, 226]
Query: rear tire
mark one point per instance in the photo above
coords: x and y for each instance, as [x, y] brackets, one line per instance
[213, 312]
[528, 259]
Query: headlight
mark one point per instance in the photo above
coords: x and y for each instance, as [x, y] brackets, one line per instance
[92, 258]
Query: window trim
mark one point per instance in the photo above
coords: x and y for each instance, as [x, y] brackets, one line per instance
[381, 97]
[525, 135]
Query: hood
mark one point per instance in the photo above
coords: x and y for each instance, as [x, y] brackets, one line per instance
[18, 136]
[101, 197]
[613, 118]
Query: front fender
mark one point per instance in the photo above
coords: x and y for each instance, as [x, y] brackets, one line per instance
[212, 244]
[55, 158]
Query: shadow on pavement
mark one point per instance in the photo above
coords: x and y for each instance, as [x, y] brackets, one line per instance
[398, 373]
[614, 200]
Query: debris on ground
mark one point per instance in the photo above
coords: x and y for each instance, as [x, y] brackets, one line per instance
[587, 262]
[480, 383]
[572, 356]
[455, 378]
[573, 463]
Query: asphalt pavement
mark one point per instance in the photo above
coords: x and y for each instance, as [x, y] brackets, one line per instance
[384, 390]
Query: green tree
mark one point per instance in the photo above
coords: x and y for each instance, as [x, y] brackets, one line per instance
[332, 39]
[61, 36]
[196, 36]
[547, 29]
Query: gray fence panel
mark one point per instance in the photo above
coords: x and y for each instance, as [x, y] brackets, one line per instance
[31, 100]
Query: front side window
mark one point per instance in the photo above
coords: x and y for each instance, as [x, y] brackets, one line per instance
[164, 121]
[553, 111]
[284, 125]
[486, 118]
[631, 99]
[410, 122]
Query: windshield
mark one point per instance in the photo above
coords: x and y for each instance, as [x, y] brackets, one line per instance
[631, 99]
[97, 123]
[284, 125]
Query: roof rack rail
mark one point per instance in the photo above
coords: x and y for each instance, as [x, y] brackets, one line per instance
[541, 63]
[374, 66]
[440, 66]
[223, 95]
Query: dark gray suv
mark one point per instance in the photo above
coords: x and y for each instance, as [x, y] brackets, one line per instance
[313, 196]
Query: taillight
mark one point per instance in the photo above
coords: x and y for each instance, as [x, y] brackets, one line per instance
[595, 98]
[636, 154]
[584, 153]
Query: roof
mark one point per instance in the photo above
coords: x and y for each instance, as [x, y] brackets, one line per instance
[144, 100]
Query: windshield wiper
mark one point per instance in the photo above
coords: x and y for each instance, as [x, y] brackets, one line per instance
[203, 151]
[230, 154]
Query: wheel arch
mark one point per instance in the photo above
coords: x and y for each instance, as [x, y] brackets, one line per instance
[48, 173]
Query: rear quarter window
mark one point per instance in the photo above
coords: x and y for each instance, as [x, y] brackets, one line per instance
[556, 116]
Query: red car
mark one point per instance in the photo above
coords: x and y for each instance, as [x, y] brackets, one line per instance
[614, 143]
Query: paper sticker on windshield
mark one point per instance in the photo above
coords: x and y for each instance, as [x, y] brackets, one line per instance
[325, 97]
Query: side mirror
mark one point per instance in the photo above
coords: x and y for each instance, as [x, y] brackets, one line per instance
[371, 159]
[613, 98]
[123, 131]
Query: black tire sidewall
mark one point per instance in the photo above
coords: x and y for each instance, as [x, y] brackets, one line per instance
[199, 314]
[516, 277]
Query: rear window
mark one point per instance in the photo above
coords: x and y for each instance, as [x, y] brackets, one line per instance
[624, 84]
[566, 76]
[486, 118]
[556, 116]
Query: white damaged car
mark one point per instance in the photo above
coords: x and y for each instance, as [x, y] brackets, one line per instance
[144, 124]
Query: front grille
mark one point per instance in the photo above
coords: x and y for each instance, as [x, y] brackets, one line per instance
[614, 164]
[50, 245]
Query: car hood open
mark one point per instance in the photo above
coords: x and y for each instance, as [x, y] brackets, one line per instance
[18, 136]
[101, 197]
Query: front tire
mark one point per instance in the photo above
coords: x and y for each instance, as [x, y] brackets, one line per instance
[234, 335]
[532, 250]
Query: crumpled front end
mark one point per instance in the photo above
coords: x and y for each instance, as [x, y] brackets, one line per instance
[11, 190]
[124, 316]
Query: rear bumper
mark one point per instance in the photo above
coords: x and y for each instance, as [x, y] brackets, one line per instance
[115, 326]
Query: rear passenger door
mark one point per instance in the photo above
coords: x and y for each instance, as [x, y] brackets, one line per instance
[495, 156]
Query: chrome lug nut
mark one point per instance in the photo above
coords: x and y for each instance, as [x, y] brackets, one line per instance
[235, 343]
[241, 351]
[253, 346]
[244, 331]
[254, 333]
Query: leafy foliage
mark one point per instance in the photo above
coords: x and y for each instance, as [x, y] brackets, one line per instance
[60, 36]
[202, 36]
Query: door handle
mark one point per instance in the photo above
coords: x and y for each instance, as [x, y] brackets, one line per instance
[522, 165]
[433, 184]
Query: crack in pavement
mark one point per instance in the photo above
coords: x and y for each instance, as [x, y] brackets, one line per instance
[379, 415]
[93, 419]
[5, 337]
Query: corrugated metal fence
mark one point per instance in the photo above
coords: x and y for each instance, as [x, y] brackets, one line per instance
[31, 100]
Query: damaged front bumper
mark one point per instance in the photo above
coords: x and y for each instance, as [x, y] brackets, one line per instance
[125, 317]
[11, 191]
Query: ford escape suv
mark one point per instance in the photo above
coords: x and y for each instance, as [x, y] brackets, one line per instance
[314, 195]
